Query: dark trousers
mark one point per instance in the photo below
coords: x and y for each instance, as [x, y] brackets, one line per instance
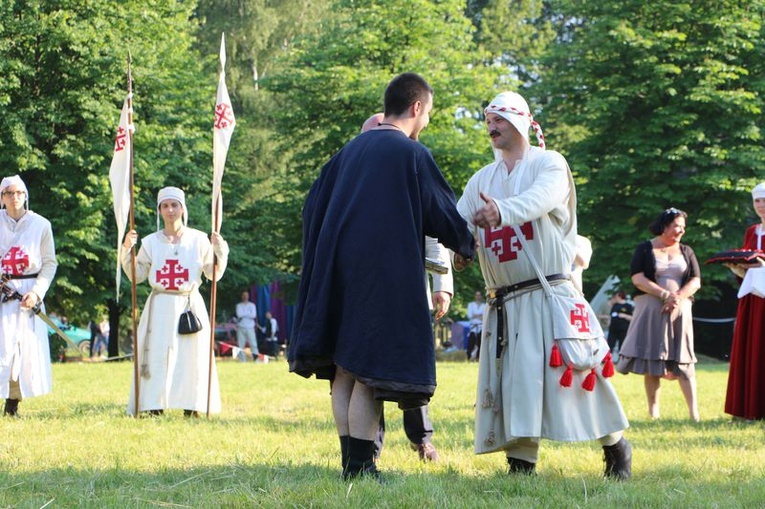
[616, 337]
[474, 343]
[417, 427]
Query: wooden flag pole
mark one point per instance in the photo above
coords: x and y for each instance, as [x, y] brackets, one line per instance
[224, 122]
[134, 303]
[213, 304]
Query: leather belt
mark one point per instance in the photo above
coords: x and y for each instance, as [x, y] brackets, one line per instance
[21, 276]
[505, 290]
[499, 295]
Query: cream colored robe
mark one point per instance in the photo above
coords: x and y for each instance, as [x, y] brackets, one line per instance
[27, 247]
[173, 368]
[520, 395]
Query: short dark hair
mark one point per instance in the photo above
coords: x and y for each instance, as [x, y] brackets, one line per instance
[403, 91]
[659, 224]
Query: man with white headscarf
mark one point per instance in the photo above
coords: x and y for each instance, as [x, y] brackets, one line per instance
[519, 399]
[174, 367]
[28, 264]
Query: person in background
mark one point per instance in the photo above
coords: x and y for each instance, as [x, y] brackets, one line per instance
[246, 316]
[620, 317]
[28, 265]
[520, 400]
[174, 368]
[475, 311]
[362, 318]
[659, 342]
[271, 331]
[105, 331]
[97, 338]
[745, 397]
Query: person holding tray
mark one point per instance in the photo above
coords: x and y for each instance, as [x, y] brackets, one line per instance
[745, 398]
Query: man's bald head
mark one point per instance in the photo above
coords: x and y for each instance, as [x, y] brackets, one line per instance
[371, 122]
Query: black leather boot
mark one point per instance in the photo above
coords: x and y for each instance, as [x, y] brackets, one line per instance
[519, 466]
[11, 407]
[618, 458]
[360, 459]
[344, 451]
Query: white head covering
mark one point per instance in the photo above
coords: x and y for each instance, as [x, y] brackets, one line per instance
[14, 181]
[757, 192]
[513, 108]
[172, 193]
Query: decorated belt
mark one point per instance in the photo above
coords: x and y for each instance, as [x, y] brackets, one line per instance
[499, 302]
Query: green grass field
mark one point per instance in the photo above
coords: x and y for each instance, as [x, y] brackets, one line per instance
[275, 446]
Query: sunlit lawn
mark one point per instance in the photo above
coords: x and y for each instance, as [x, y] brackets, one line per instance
[275, 446]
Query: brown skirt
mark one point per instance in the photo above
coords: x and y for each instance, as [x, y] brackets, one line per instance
[658, 344]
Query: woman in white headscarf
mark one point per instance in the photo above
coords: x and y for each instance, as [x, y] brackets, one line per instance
[28, 266]
[173, 367]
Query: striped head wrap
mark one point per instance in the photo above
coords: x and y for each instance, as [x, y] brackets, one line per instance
[512, 107]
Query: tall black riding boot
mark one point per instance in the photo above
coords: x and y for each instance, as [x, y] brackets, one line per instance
[361, 459]
[618, 458]
[11, 407]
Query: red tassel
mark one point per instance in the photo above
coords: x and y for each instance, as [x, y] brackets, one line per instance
[589, 381]
[608, 367]
[555, 359]
[567, 378]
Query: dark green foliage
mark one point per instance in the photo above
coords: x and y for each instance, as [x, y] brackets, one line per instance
[64, 80]
[658, 105]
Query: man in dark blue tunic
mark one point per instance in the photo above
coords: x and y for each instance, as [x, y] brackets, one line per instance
[362, 318]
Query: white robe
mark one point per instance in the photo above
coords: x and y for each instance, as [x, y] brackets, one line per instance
[173, 367]
[26, 247]
[524, 398]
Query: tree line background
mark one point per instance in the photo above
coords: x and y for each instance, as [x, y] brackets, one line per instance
[654, 104]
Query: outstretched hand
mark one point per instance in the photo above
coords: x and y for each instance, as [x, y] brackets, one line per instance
[488, 215]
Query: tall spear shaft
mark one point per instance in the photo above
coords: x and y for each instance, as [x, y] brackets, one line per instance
[213, 304]
[223, 127]
[131, 215]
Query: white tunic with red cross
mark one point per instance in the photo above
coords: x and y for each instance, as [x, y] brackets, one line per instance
[524, 398]
[174, 368]
[26, 248]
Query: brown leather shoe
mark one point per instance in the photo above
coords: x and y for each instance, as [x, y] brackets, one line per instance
[426, 451]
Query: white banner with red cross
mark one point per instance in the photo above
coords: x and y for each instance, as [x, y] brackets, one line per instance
[119, 178]
[223, 126]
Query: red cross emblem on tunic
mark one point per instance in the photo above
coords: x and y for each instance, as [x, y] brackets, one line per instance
[15, 261]
[121, 141]
[580, 318]
[224, 115]
[504, 243]
[172, 275]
